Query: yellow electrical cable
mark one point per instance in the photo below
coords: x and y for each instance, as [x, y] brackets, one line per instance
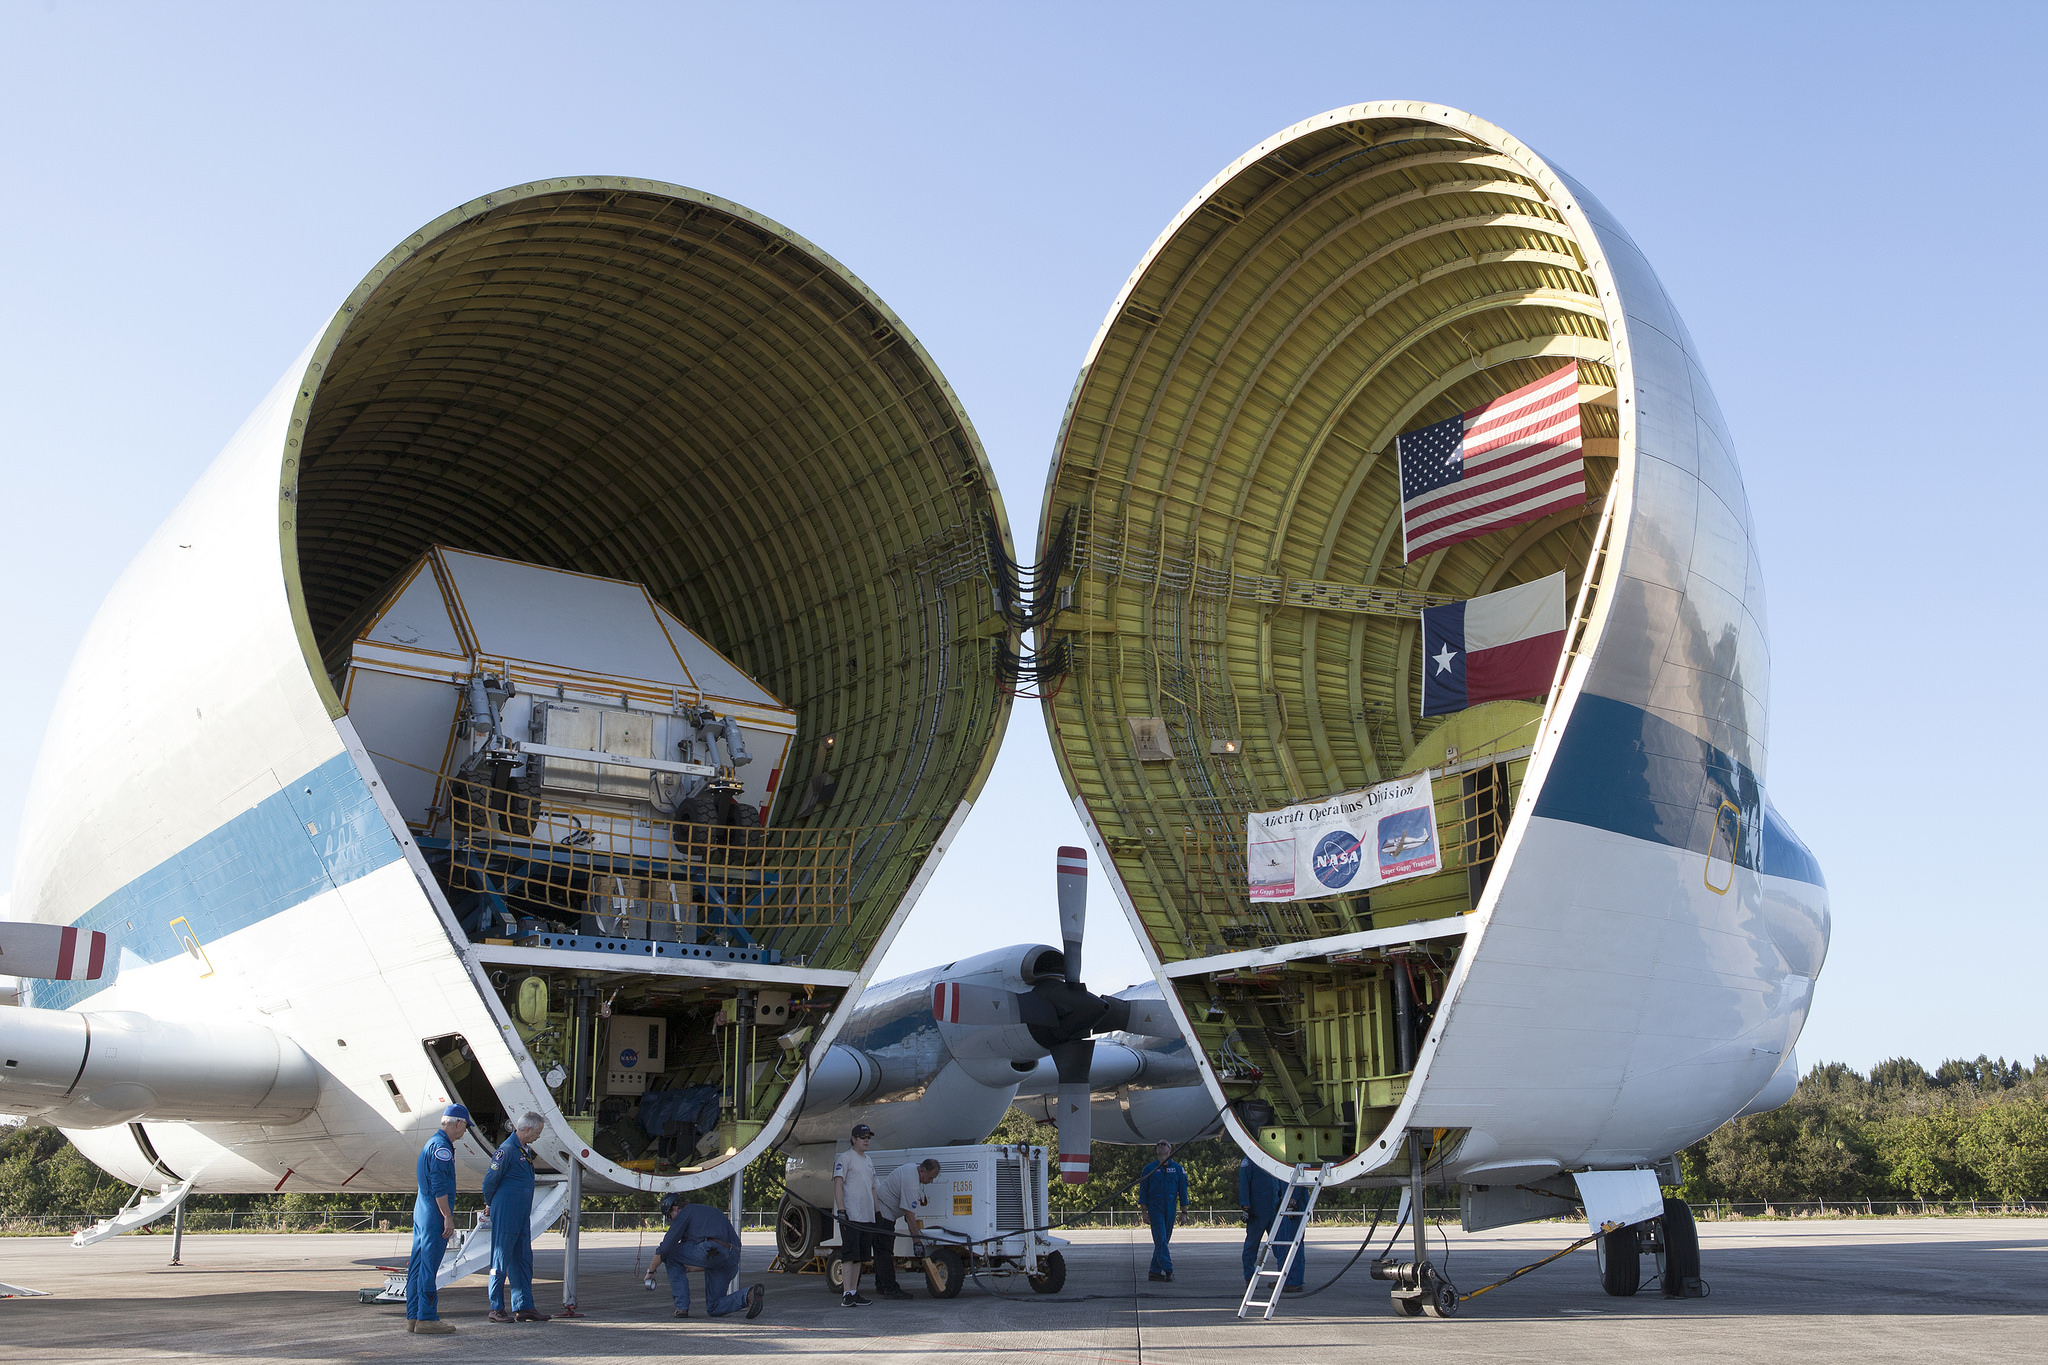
[1535, 1265]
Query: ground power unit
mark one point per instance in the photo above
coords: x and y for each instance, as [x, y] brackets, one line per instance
[987, 1215]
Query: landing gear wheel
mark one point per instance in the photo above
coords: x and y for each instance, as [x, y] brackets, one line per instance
[797, 1231]
[945, 1273]
[1621, 1265]
[1443, 1301]
[1681, 1250]
[1052, 1274]
[1407, 1307]
[832, 1273]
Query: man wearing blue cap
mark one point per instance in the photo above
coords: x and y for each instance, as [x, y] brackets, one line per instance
[508, 1189]
[700, 1235]
[433, 1223]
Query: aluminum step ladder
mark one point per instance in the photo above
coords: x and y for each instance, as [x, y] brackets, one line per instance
[1266, 1277]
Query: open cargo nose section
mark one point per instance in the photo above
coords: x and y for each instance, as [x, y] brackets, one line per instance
[1245, 627]
[645, 552]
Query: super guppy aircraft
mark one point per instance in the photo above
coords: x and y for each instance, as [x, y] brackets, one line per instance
[559, 689]
[1620, 948]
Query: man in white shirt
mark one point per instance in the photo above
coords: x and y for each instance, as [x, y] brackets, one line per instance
[899, 1194]
[853, 1202]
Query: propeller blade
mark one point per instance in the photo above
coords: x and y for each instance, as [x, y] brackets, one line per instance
[1073, 1060]
[1073, 889]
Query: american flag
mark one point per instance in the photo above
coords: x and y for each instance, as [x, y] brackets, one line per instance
[1514, 460]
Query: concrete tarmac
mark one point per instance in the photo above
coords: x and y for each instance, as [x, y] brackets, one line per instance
[1907, 1290]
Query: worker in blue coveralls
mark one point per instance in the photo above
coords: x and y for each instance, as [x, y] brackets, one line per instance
[700, 1235]
[433, 1223]
[1163, 1191]
[508, 1188]
[1259, 1195]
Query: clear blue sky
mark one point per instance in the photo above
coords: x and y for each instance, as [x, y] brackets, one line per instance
[1846, 203]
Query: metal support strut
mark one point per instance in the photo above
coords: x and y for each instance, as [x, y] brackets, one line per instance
[1418, 1224]
[178, 1234]
[572, 1242]
[1417, 1285]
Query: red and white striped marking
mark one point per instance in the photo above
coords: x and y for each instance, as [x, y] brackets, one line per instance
[1073, 862]
[946, 1002]
[1074, 1169]
[52, 952]
[80, 956]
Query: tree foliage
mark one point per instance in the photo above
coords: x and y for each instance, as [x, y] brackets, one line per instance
[1968, 1130]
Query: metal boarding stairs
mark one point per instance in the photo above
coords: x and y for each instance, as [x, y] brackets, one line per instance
[1267, 1277]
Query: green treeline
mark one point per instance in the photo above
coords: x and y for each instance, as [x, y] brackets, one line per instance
[1970, 1130]
[1967, 1130]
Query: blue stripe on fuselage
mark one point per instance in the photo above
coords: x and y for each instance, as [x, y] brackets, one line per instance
[322, 831]
[1621, 768]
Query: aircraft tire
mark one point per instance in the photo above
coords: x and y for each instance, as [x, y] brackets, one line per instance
[1621, 1265]
[1681, 1247]
[945, 1273]
[797, 1231]
[1052, 1277]
[1407, 1308]
[832, 1259]
[515, 810]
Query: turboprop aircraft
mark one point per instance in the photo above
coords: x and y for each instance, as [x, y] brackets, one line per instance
[1616, 949]
[934, 1059]
[568, 677]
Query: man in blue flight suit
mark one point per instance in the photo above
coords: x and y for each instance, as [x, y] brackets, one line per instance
[700, 1235]
[1163, 1191]
[433, 1222]
[508, 1188]
[1259, 1195]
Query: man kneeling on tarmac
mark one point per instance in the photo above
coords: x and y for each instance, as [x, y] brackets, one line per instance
[699, 1235]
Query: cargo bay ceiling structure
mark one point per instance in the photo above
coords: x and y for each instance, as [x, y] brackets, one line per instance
[644, 382]
[1242, 633]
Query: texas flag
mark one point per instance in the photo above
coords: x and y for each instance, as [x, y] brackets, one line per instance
[1492, 648]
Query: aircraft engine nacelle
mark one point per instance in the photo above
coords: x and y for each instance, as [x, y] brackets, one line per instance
[1133, 1116]
[106, 1067]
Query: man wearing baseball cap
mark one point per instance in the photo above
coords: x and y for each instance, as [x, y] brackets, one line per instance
[700, 1235]
[433, 1223]
[861, 1236]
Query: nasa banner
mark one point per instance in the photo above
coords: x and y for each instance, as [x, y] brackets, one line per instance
[1352, 842]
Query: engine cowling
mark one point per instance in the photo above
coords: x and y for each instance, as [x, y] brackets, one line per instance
[105, 1067]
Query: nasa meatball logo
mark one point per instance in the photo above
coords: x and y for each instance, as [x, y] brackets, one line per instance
[1337, 859]
[629, 1058]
